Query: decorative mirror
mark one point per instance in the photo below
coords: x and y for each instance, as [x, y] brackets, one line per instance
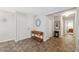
[57, 25]
[38, 22]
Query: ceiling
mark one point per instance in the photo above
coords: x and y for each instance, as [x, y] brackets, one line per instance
[35, 10]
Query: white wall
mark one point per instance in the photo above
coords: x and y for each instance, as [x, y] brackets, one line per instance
[17, 27]
[77, 30]
[62, 26]
[8, 28]
[50, 20]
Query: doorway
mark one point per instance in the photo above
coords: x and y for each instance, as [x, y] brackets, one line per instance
[69, 24]
[69, 30]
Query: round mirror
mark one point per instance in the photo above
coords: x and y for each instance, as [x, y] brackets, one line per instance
[38, 22]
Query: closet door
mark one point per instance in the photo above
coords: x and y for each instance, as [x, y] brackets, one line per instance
[23, 28]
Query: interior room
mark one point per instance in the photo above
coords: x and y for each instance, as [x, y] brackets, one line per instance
[39, 29]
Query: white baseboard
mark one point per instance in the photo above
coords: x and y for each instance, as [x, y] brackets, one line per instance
[7, 40]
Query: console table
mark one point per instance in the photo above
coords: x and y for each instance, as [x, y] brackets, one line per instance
[56, 33]
[37, 35]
